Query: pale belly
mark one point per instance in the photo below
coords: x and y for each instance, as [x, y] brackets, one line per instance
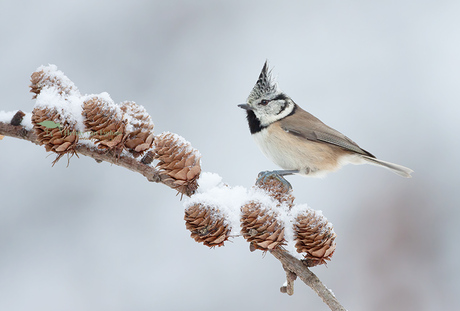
[291, 152]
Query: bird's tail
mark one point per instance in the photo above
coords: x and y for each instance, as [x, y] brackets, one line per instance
[395, 168]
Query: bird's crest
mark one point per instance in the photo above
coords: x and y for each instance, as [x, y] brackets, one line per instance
[266, 86]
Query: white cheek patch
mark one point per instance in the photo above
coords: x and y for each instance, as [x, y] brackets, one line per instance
[268, 117]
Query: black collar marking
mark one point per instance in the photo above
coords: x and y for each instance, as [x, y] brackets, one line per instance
[286, 103]
[254, 123]
[293, 110]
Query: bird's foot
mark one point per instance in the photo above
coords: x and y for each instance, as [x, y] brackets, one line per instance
[265, 176]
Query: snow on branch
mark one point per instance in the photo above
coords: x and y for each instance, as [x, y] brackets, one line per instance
[265, 216]
[68, 123]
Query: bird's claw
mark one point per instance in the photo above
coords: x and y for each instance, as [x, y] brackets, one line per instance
[264, 176]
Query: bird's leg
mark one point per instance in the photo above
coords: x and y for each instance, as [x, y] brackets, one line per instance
[265, 175]
[285, 172]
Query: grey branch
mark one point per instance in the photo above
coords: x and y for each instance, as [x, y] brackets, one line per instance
[150, 172]
[292, 266]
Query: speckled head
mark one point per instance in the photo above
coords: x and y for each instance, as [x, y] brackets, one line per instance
[265, 87]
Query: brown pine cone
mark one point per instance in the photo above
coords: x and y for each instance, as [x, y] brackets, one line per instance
[139, 128]
[277, 190]
[179, 161]
[50, 76]
[207, 225]
[315, 237]
[260, 227]
[56, 134]
[104, 121]
[55, 131]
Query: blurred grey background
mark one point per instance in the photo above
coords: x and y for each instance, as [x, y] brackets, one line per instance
[99, 237]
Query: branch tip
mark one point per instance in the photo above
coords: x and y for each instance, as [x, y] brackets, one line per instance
[17, 118]
[288, 287]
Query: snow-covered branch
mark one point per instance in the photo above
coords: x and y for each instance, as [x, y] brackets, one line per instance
[68, 123]
[152, 173]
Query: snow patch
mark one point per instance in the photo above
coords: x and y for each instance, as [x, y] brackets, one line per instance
[69, 107]
[212, 192]
[6, 116]
[228, 200]
[53, 73]
[27, 121]
[208, 181]
[135, 115]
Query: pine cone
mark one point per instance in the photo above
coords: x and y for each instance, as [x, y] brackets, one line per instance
[179, 161]
[53, 132]
[315, 237]
[50, 76]
[277, 190]
[139, 128]
[104, 121]
[207, 225]
[260, 227]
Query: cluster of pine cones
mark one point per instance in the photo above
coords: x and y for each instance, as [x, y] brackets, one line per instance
[63, 119]
[261, 226]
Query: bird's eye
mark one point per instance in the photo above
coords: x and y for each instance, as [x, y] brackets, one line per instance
[264, 102]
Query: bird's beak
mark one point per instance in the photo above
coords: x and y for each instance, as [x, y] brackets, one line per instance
[245, 106]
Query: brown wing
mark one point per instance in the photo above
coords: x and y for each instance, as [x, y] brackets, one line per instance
[307, 126]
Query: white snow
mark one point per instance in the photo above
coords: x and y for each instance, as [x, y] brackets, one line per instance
[138, 111]
[105, 97]
[6, 116]
[208, 181]
[69, 107]
[130, 122]
[27, 121]
[228, 200]
[52, 72]
[287, 218]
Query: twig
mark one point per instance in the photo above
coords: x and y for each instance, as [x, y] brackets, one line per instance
[290, 278]
[301, 270]
[150, 172]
